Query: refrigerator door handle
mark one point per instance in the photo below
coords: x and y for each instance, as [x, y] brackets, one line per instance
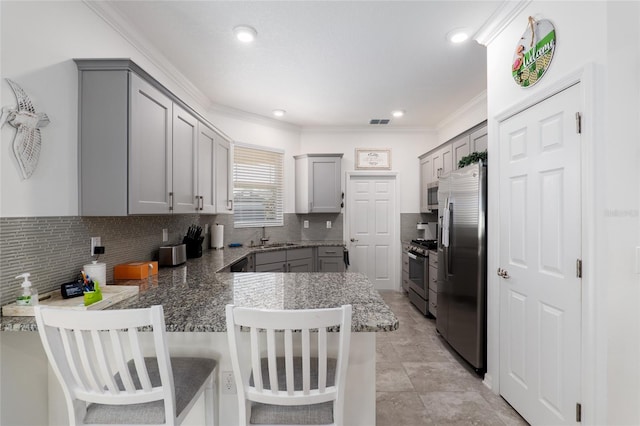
[448, 257]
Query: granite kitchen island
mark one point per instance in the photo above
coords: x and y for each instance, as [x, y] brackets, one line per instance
[194, 297]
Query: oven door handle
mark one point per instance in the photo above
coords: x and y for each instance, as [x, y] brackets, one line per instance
[412, 256]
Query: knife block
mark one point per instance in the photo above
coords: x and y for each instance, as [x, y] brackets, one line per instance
[194, 247]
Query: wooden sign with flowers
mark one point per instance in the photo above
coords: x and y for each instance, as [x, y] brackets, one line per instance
[534, 52]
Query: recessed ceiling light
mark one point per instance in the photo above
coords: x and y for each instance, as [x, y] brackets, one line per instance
[279, 112]
[397, 113]
[458, 35]
[245, 33]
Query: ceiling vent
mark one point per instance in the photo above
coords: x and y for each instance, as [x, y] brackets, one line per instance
[381, 121]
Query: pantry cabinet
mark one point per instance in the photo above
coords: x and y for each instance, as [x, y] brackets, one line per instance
[478, 140]
[460, 148]
[318, 185]
[140, 146]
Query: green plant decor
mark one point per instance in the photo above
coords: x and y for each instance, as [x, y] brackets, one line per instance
[472, 158]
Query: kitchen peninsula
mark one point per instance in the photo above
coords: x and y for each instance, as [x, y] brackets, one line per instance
[194, 296]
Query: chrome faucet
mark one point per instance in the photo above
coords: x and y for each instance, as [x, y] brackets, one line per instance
[264, 238]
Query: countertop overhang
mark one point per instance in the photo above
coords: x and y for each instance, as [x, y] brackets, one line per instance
[194, 295]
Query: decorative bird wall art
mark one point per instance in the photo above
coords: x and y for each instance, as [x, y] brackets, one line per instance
[27, 141]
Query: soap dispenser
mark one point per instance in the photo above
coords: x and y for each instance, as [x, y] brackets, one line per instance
[27, 296]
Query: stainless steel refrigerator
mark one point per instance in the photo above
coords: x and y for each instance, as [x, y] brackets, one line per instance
[462, 262]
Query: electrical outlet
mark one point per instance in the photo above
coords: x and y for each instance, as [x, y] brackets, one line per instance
[228, 384]
[95, 241]
[165, 235]
[305, 223]
[328, 224]
[206, 228]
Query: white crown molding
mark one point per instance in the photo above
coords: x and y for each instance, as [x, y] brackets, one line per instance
[498, 21]
[481, 98]
[114, 19]
[369, 129]
[251, 117]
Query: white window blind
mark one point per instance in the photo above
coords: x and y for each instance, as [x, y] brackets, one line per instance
[257, 187]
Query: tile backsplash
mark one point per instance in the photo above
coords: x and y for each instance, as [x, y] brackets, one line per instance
[54, 249]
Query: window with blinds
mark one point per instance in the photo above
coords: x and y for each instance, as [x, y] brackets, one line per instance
[258, 180]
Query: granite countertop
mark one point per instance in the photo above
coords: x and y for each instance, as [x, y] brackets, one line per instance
[194, 295]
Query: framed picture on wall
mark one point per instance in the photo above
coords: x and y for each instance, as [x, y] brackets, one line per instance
[373, 159]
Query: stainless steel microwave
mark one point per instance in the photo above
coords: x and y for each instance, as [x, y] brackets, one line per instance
[432, 195]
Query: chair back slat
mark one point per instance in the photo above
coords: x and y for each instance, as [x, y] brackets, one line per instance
[256, 364]
[271, 357]
[102, 363]
[121, 361]
[306, 361]
[138, 358]
[288, 349]
[288, 355]
[85, 353]
[322, 359]
[71, 354]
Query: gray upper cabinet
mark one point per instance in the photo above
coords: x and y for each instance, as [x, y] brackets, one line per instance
[318, 184]
[224, 177]
[206, 169]
[460, 149]
[185, 162]
[478, 140]
[426, 173]
[139, 145]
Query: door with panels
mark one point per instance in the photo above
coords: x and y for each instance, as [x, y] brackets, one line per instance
[224, 178]
[372, 233]
[540, 248]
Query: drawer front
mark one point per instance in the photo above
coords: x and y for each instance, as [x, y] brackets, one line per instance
[433, 259]
[405, 280]
[433, 278]
[271, 257]
[433, 303]
[301, 253]
[272, 267]
[335, 251]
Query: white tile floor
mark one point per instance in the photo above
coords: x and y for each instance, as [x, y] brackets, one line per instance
[420, 382]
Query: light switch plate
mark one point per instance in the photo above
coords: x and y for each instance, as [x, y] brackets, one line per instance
[165, 235]
[305, 224]
[328, 224]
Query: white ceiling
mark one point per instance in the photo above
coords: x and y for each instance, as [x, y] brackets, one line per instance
[327, 63]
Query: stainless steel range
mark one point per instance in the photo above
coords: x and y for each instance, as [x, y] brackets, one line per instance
[419, 273]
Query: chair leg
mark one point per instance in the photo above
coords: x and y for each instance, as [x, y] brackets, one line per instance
[211, 401]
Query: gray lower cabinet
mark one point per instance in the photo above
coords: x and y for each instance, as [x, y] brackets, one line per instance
[405, 267]
[433, 283]
[331, 259]
[293, 260]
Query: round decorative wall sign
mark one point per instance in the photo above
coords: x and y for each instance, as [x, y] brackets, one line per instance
[534, 52]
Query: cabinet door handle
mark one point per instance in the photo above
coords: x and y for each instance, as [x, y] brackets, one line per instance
[230, 204]
[171, 201]
[320, 264]
[198, 203]
[201, 202]
[284, 267]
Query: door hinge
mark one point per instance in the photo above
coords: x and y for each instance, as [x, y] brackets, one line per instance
[578, 123]
[578, 412]
[579, 268]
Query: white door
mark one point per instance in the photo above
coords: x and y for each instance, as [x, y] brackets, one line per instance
[371, 218]
[540, 240]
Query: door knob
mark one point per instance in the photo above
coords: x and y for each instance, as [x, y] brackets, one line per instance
[353, 240]
[503, 273]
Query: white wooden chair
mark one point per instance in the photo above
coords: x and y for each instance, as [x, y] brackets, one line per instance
[97, 357]
[279, 385]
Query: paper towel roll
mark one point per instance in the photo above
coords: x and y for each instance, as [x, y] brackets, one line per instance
[217, 236]
[97, 271]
